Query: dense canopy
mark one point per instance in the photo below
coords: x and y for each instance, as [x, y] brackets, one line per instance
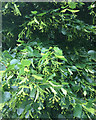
[48, 60]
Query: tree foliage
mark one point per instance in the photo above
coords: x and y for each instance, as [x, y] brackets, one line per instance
[49, 72]
[43, 83]
[57, 22]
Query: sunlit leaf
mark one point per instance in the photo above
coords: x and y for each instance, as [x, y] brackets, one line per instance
[58, 51]
[51, 83]
[41, 14]
[52, 89]
[37, 95]
[38, 77]
[70, 71]
[73, 11]
[64, 10]
[84, 93]
[26, 62]
[17, 10]
[34, 12]
[72, 5]
[36, 20]
[64, 91]
[91, 110]
[61, 57]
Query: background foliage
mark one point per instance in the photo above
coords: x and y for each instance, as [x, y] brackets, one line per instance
[49, 60]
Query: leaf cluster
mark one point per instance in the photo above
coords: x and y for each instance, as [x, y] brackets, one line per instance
[43, 82]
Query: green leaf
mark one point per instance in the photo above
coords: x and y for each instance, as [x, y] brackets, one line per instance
[26, 62]
[38, 76]
[36, 53]
[91, 110]
[60, 116]
[21, 71]
[1, 73]
[70, 71]
[33, 92]
[30, 23]
[81, 66]
[73, 11]
[36, 20]
[78, 111]
[6, 96]
[29, 48]
[92, 54]
[61, 57]
[51, 83]
[21, 41]
[55, 10]
[37, 95]
[52, 89]
[84, 93]
[63, 31]
[23, 86]
[14, 61]
[89, 104]
[14, 88]
[74, 68]
[65, 83]
[21, 91]
[34, 12]
[58, 51]
[64, 10]
[32, 63]
[17, 10]
[7, 55]
[6, 6]
[72, 5]
[43, 50]
[44, 56]
[30, 54]
[41, 14]
[65, 102]
[51, 77]
[27, 115]
[64, 91]
[20, 111]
